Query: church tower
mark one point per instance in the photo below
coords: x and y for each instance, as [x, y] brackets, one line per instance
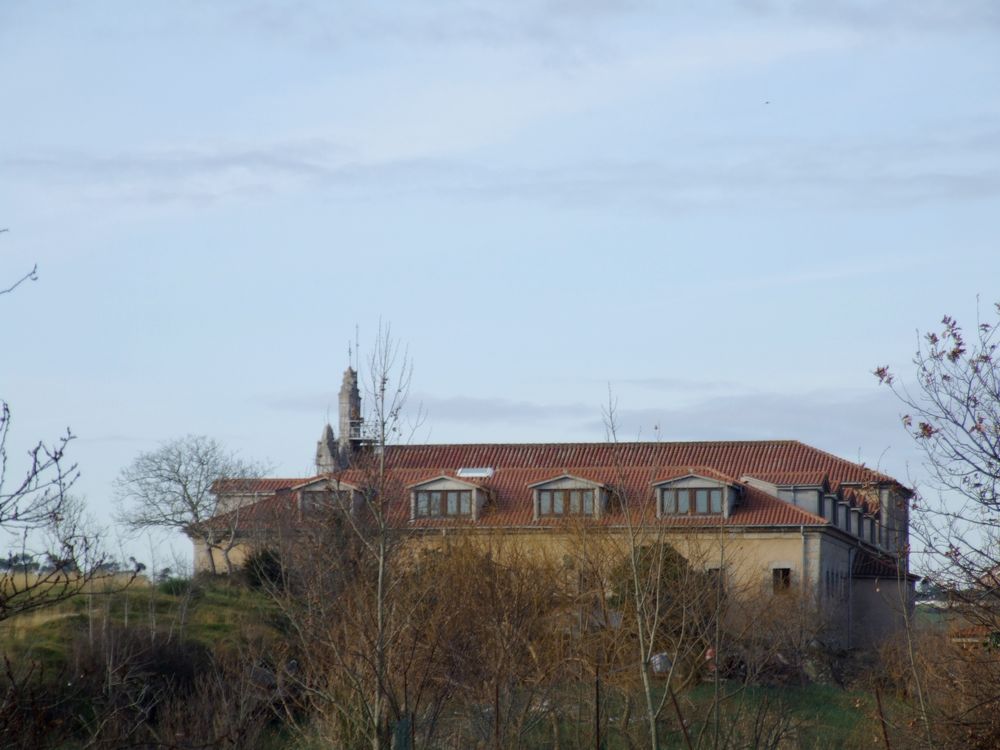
[350, 416]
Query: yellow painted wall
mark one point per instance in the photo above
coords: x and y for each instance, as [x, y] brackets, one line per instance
[747, 558]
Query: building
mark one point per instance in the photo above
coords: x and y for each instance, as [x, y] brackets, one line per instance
[769, 515]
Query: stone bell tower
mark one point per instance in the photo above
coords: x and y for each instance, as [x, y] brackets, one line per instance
[350, 416]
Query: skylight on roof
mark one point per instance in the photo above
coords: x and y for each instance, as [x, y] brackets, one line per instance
[475, 472]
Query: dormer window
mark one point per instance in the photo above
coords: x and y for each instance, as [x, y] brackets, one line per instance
[443, 503]
[695, 495]
[684, 501]
[318, 500]
[567, 496]
[324, 496]
[446, 497]
[565, 502]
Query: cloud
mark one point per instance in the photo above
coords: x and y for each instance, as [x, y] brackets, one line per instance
[479, 410]
[220, 173]
[575, 30]
[959, 162]
[462, 409]
[674, 385]
[556, 23]
[855, 424]
[923, 15]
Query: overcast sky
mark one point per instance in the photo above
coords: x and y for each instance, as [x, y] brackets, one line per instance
[730, 216]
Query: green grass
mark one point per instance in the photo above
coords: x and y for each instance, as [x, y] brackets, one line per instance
[214, 613]
[821, 717]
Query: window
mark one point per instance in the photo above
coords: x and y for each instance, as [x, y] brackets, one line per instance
[566, 502]
[781, 580]
[438, 503]
[696, 500]
[313, 500]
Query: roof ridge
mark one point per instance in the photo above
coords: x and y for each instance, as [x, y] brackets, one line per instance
[835, 457]
[603, 442]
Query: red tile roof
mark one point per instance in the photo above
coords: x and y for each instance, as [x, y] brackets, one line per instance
[632, 468]
[733, 458]
[260, 485]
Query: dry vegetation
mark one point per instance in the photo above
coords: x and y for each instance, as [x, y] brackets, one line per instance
[484, 647]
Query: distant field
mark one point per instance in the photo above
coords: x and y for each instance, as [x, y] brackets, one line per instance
[13, 582]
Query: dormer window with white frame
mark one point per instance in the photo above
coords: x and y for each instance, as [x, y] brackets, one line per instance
[694, 495]
[568, 496]
[691, 500]
[446, 497]
[565, 502]
[438, 503]
[325, 495]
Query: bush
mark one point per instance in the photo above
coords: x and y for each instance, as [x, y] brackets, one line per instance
[263, 569]
[174, 586]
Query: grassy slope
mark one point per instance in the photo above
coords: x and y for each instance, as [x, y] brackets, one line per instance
[214, 613]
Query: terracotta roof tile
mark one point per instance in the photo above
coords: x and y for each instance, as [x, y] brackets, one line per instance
[260, 485]
[632, 468]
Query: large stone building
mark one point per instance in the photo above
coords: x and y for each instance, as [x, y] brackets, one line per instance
[769, 515]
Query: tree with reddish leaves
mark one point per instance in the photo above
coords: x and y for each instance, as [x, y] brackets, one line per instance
[952, 412]
[953, 416]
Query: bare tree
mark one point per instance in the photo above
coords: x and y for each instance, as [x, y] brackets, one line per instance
[40, 519]
[669, 609]
[174, 488]
[358, 618]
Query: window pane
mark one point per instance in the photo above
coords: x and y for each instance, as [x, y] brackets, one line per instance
[588, 502]
[683, 502]
[669, 502]
[544, 502]
[557, 502]
[421, 503]
[716, 501]
[574, 501]
[466, 499]
[781, 579]
[435, 503]
[452, 503]
[701, 501]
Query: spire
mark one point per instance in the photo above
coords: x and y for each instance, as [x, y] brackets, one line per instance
[326, 452]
